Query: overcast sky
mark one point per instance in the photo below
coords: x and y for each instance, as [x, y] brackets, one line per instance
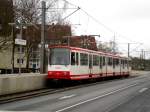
[129, 20]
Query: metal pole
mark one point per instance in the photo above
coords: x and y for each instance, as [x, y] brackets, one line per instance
[20, 57]
[128, 50]
[114, 44]
[42, 52]
[142, 53]
[12, 60]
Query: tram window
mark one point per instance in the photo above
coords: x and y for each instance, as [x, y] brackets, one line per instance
[100, 59]
[90, 61]
[123, 63]
[109, 61]
[77, 58]
[104, 61]
[127, 63]
[117, 61]
[83, 59]
[72, 58]
[59, 56]
[114, 62]
[95, 60]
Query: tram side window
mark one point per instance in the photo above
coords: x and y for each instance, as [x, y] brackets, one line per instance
[127, 63]
[114, 62]
[100, 59]
[83, 59]
[117, 62]
[72, 58]
[77, 58]
[95, 60]
[104, 60]
[109, 61]
[122, 63]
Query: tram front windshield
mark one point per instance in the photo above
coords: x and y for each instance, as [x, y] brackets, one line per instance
[59, 56]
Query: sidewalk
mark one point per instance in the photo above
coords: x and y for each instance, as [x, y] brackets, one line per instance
[134, 72]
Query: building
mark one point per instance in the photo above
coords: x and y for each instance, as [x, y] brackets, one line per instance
[29, 53]
[30, 56]
[6, 60]
[54, 33]
[84, 41]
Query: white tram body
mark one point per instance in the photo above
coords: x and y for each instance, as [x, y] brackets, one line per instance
[73, 63]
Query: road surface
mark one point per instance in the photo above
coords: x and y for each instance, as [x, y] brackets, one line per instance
[127, 95]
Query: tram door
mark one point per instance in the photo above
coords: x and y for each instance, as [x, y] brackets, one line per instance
[90, 64]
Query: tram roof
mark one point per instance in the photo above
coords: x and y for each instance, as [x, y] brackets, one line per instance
[90, 51]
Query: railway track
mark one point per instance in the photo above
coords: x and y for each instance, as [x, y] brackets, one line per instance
[45, 91]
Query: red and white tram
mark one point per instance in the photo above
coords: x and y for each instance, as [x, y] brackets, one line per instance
[73, 63]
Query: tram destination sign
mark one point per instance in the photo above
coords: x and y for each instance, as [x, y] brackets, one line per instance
[20, 42]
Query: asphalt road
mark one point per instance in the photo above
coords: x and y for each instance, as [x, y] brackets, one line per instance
[127, 95]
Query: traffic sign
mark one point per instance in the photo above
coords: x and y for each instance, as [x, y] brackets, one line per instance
[20, 42]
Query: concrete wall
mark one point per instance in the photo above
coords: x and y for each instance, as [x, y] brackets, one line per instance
[20, 83]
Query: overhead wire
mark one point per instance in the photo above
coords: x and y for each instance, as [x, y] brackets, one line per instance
[100, 23]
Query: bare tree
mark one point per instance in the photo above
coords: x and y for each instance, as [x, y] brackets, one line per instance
[55, 11]
[108, 47]
[30, 12]
[6, 16]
